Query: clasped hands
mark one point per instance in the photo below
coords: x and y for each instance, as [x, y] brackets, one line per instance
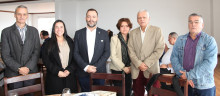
[183, 76]
[63, 73]
[143, 67]
[91, 69]
[23, 70]
[127, 70]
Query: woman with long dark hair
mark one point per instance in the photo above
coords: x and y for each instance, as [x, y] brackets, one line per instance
[58, 59]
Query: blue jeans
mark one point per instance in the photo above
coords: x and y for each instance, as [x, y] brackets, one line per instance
[84, 83]
[201, 92]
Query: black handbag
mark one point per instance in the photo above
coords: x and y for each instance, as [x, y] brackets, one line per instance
[175, 81]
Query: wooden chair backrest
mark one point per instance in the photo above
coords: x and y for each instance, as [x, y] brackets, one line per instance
[168, 79]
[107, 76]
[27, 89]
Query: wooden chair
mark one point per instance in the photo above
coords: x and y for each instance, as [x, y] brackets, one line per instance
[1, 81]
[107, 76]
[27, 89]
[167, 78]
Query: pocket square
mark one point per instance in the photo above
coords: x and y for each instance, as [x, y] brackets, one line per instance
[102, 40]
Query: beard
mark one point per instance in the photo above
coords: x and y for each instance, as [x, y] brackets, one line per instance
[91, 25]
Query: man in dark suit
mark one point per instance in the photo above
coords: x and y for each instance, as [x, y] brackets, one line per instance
[20, 48]
[91, 50]
[43, 36]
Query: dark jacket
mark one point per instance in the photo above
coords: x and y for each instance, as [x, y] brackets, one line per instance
[53, 83]
[101, 51]
[15, 54]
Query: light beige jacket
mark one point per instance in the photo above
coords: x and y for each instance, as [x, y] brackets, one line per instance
[116, 56]
[149, 52]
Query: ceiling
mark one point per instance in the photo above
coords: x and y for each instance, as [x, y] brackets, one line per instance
[34, 6]
[11, 1]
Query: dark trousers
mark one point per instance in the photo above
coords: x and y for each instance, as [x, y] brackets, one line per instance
[84, 83]
[140, 83]
[22, 84]
[201, 92]
[128, 82]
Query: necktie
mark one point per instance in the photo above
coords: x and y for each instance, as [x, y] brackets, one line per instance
[22, 34]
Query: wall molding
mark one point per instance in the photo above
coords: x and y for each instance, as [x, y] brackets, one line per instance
[15, 1]
[28, 13]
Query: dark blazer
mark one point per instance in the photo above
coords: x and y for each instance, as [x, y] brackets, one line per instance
[101, 51]
[53, 83]
[15, 54]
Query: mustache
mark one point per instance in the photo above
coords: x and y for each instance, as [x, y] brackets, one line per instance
[91, 25]
[90, 21]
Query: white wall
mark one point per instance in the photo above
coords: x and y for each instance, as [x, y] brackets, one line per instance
[48, 25]
[169, 15]
[66, 11]
[35, 18]
[40, 6]
[216, 20]
[8, 19]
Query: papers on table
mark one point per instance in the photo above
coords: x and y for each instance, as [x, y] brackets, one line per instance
[96, 93]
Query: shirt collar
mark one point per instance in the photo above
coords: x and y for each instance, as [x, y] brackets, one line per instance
[88, 30]
[145, 29]
[25, 27]
[197, 36]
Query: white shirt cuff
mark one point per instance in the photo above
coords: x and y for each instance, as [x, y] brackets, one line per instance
[85, 69]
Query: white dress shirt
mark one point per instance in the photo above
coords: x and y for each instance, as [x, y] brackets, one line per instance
[166, 58]
[143, 34]
[22, 32]
[90, 38]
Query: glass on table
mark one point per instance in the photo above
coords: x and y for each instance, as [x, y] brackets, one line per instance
[13, 94]
[66, 92]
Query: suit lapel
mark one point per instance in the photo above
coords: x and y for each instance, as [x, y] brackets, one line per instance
[97, 41]
[70, 53]
[28, 39]
[57, 57]
[17, 34]
[138, 38]
[146, 39]
[84, 43]
[27, 35]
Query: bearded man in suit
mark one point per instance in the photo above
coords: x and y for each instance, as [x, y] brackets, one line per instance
[91, 51]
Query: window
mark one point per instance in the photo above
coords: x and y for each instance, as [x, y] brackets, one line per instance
[45, 24]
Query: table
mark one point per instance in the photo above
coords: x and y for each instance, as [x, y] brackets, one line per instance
[98, 93]
[56, 94]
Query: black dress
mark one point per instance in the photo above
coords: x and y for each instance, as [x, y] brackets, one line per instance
[53, 83]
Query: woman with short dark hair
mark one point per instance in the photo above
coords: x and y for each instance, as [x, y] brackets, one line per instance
[119, 54]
